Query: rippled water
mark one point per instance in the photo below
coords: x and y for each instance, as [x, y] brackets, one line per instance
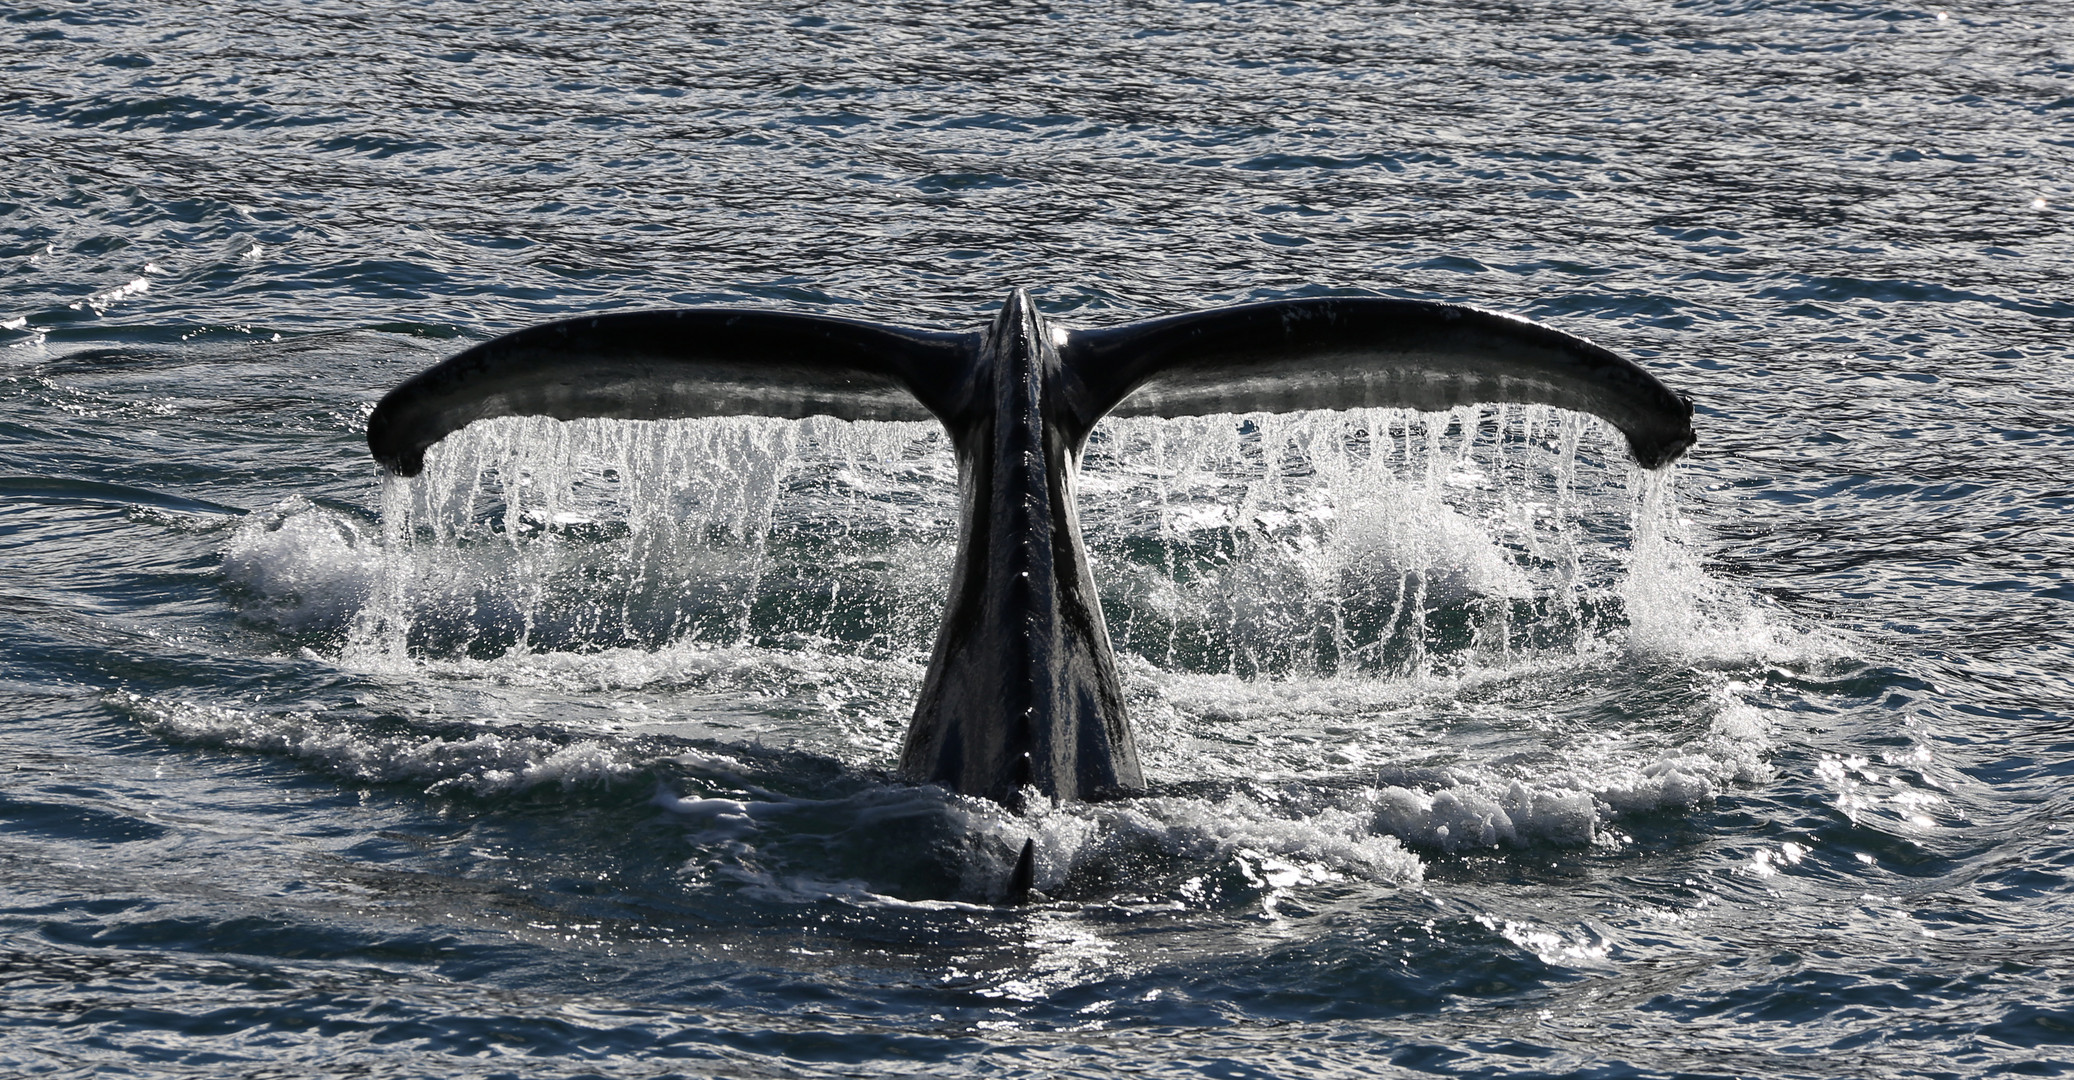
[1473, 752]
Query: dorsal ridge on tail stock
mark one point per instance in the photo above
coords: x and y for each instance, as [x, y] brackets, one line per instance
[1022, 688]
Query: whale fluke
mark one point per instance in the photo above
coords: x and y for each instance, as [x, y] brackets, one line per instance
[668, 365]
[1021, 690]
[1366, 352]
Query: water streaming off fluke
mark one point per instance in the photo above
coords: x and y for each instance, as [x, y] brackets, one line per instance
[1338, 605]
[1377, 541]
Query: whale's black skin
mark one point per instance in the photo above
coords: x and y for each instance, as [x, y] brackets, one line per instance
[1022, 689]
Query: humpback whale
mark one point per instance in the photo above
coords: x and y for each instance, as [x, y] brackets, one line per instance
[1022, 688]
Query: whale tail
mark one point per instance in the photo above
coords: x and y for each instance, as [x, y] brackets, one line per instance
[667, 365]
[1347, 353]
[1022, 689]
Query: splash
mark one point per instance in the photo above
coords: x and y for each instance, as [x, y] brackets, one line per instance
[1373, 542]
[1675, 608]
[1333, 618]
[528, 536]
[302, 567]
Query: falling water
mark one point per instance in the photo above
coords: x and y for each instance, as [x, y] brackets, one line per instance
[1377, 541]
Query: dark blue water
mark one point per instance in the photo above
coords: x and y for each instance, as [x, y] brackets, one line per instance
[1473, 752]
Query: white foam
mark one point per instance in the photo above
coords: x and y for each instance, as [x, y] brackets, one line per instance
[304, 566]
[1483, 815]
[1452, 762]
[1316, 843]
[483, 764]
[1160, 846]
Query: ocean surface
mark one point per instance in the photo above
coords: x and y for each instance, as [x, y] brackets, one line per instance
[1474, 750]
